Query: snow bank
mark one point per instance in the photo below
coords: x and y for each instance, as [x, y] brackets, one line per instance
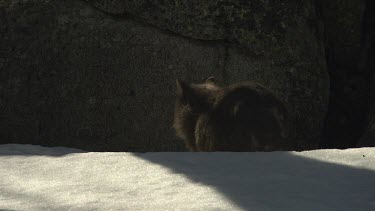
[40, 178]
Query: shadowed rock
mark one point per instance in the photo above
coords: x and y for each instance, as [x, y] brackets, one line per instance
[73, 76]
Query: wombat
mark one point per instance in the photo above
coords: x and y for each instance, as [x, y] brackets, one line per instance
[244, 116]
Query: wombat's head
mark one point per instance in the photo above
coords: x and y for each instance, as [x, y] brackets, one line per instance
[192, 100]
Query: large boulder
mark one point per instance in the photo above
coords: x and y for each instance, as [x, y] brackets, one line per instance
[281, 41]
[74, 76]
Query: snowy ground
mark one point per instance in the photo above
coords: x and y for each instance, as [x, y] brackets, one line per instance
[39, 178]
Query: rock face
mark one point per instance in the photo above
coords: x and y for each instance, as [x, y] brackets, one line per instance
[343, 32]
[255, 24]
[367, 65]
[347, 51]
[368, 139]
[73, 76]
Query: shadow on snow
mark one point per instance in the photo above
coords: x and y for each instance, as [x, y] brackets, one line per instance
[276, 181]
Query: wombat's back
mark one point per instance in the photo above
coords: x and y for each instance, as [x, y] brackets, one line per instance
[245, 117]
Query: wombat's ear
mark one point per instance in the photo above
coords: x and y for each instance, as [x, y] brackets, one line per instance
[181, 86]
[187, 94]
[210, 79]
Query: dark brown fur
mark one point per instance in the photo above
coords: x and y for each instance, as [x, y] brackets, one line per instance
[241, 117]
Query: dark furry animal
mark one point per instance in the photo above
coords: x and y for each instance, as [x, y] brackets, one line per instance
[241, 117]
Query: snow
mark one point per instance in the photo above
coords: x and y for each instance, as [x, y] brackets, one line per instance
[41, 178]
